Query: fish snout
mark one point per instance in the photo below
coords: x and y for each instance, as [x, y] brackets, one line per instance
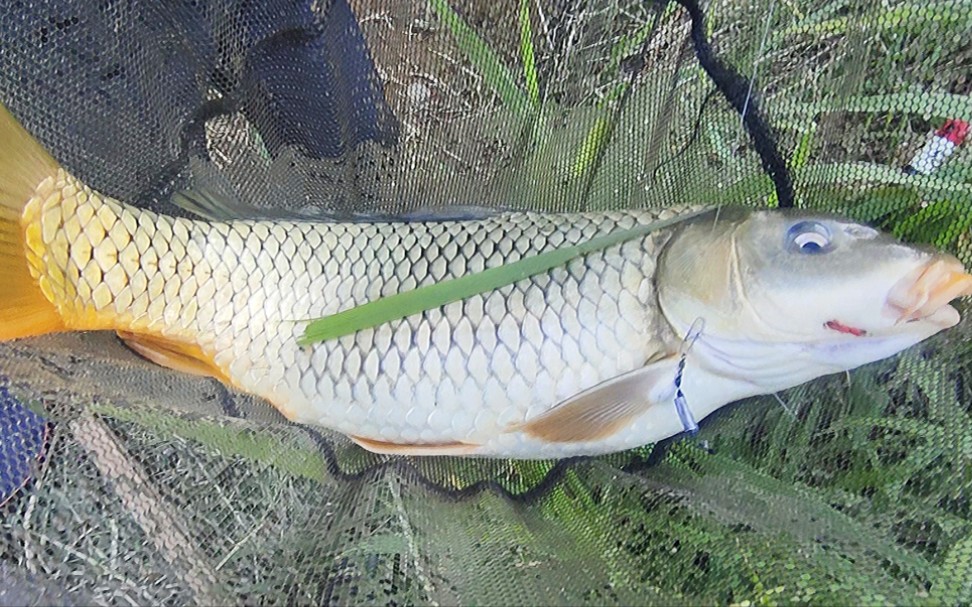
[927, 289]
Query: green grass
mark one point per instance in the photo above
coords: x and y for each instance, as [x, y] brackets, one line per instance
[496, 75]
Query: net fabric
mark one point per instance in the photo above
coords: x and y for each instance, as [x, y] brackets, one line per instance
[154, 487]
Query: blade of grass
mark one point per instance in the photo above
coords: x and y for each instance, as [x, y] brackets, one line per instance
[939, 223]
[591, 148]
[801, 154]
[526, 52]
[881, 203]
[939, 105]
[798, 159]
[495, 74]
[227, 438]
[912, 16]
[590, 156]
[424, 298]
[878, 174]
[953, 584]
[628, 45]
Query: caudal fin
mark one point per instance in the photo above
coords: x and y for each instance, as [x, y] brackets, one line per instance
[24, 165]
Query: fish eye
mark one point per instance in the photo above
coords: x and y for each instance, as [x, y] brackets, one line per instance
[809, 237]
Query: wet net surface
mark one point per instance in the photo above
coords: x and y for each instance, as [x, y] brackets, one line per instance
[122, 482]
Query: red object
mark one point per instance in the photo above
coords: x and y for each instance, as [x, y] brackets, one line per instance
[840, 327]
[938, 148]
[954, 130]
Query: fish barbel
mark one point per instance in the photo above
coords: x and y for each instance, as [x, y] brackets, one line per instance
[581, 359]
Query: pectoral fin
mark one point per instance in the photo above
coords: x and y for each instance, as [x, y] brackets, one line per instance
[599, 412]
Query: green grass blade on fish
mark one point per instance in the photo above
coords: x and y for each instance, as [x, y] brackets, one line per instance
[415, 301]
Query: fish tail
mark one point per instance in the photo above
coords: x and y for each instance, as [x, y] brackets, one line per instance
[68, 260]
[26, 171]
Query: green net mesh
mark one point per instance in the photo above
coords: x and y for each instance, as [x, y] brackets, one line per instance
[125, 483]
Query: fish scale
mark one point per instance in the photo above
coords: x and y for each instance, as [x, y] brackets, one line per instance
[466, 372]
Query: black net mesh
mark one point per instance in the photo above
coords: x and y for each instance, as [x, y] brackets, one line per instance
[126, 483]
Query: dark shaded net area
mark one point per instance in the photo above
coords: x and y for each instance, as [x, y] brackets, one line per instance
[126, 483]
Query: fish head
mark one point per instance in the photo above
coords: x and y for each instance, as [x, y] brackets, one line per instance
[810, 280]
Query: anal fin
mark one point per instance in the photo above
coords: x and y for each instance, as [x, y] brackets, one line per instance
[600, 411]
[387, 448]
[179, 356]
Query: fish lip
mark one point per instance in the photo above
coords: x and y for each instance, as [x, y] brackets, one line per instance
[925, 292]
[945, 317]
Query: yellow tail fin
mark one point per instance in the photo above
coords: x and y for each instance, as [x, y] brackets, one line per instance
[24, 164]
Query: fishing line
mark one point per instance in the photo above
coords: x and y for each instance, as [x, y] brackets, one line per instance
[738, 92]
[681, 405]
[759, 53]
[785, 406]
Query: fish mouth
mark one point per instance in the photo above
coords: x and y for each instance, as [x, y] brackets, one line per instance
[924, 293]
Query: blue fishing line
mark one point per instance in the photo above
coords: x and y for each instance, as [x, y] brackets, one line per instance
[681, 404]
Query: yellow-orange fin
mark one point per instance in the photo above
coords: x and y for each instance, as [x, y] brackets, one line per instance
[387, 448]
[599, 412]
[179, 356]
[24, 165]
